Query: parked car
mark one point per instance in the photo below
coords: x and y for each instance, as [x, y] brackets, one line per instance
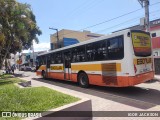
[22, 68]
[33, 69]
[28, 68]
[25, 68]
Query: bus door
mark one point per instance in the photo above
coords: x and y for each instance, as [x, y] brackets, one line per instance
[67, 65]
[48, 62]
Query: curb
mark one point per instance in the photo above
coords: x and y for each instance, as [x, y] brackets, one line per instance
[157, 78]
[156, 108]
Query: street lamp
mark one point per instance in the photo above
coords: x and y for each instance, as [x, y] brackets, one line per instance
[57, 36]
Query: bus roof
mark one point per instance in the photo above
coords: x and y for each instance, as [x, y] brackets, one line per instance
[88, 41]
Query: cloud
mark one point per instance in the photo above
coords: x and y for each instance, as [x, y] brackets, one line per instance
[39, 47]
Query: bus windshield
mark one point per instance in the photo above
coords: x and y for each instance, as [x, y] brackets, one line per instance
[141, 43]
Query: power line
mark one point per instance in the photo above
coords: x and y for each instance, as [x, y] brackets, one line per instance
[133, 19]
[116, 25]
[78, 8]
[117, 17]
[89, 7]
[110, 19]
[81, 6]
[125, 22]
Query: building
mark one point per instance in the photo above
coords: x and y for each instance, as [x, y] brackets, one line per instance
[155, 35]
[27, 59]
[69, 37]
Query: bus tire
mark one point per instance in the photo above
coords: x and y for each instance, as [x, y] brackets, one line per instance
[83, 80]
[44, 74]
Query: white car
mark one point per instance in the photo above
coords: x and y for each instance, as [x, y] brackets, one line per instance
[33, 69]
[22, 68]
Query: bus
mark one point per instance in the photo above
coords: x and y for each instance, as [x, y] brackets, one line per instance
[120, 59]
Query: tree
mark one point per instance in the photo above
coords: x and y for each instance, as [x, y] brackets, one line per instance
[18, 28]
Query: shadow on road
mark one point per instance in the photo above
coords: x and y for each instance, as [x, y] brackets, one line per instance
[153, 81]
[133, 96]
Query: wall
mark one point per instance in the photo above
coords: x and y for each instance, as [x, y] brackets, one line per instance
[80, 36]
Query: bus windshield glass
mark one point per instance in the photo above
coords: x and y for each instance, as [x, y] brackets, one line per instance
[141, 43]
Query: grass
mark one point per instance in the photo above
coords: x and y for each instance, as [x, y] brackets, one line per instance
[13, 98]
[3, 76]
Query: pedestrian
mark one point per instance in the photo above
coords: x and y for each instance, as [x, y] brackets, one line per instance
[12, 68]
[9, 70]
[6, 70]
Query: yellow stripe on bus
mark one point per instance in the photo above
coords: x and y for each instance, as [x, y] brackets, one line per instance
[98, 67]
[56, 67]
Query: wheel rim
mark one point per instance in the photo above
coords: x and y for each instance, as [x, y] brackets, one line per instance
[83, 80]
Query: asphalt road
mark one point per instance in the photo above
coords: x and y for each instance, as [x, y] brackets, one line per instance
[143, 96]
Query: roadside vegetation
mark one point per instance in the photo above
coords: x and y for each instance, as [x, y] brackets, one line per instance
[18, 28]
[13, 98]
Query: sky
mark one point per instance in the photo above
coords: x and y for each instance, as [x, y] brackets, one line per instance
[81, 14]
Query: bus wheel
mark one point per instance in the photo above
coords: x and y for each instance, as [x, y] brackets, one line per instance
[44, 74]
[83, 80]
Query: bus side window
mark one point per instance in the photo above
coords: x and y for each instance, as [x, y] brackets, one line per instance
[96, 51]
[38, 61]
[90, 52]
[74, 54]
[100, 50]
[43, 60]
[58, 58]
[48, 60]
[115, 48]
[81, 54]
[52, 58]
[78, 54]
[121, 47]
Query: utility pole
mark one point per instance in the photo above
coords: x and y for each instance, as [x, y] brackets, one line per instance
[145, 4]
[33, 54]
[58, 44]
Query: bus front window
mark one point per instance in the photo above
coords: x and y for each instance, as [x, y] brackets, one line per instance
[141, 43]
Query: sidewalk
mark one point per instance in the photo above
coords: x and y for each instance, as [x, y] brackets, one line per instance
[98, 103]
[157, 77]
